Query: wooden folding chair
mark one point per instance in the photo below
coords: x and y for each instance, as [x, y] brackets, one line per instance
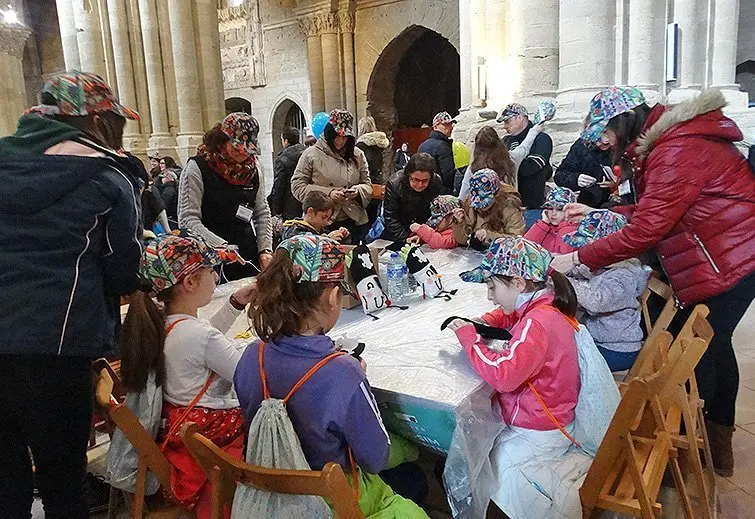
[224, 473]
[655, 288]
[150, 457]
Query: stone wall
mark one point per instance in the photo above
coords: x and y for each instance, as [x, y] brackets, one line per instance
[746, 43]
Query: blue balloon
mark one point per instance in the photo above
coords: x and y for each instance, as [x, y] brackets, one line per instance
[318, 124]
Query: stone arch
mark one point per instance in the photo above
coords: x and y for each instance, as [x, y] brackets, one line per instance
[238, 104]
[746, 78]
[287, 112]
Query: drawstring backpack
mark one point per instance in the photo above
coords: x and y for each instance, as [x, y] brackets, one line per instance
[273, 443]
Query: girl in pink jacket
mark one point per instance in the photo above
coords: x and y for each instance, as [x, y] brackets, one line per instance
[445, 228]
[550, 230]
[535, 373]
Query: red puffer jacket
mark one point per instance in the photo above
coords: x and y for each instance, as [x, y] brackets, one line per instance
[696, 201]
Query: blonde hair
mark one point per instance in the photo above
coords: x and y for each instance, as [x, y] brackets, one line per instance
[367, 125]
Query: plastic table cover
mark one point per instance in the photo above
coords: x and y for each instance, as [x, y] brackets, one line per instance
[409, 357]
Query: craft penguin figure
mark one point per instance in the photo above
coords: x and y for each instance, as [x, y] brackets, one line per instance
[422, 270]
[363, 272]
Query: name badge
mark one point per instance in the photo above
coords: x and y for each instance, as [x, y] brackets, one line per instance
[625, 188]
[244, 213]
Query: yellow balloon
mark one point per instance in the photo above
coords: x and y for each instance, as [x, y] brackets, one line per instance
[461, 154]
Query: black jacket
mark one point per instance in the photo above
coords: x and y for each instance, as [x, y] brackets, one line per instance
[582, 160]
[281, 201]
[402, 158]
[70, 229]
[535, 170]
[403, 206]
[441, 149]
[373, 144]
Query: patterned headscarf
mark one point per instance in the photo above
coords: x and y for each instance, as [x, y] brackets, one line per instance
[546, 110]
[483, 185]
[595, 225]
[512, 256]
[440, 207]
[78, 94]
[169, 258]
[342, 121]
[316, 258]
[242, 130]
[606, 104]
[559, 197]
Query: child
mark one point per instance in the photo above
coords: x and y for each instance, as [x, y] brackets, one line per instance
[190, 358]
[298, 301]
[318, 211]
[550, 230]
[445, 228]
[609, 295]
[538, 364]
[492, 211]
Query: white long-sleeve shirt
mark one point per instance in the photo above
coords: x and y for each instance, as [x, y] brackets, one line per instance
[193, 350]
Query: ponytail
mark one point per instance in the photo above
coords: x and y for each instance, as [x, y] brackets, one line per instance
[565, 299]
[142, 343]
[282, 304]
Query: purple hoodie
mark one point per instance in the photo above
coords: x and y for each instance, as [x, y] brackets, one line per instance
[332, 410]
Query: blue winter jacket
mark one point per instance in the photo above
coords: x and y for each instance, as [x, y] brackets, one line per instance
[70, 230]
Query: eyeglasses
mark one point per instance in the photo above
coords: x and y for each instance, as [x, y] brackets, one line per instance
[415, 180]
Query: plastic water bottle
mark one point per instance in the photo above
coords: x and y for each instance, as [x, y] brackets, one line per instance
[396, 278]
[409, 284]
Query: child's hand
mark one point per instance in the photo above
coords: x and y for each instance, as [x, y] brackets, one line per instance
[363, 364]
[457, 324]
[481, 235]
[575, 212]
[414, 227]
[338, 234]
[459, 215]
[245, 294]
[414, 240]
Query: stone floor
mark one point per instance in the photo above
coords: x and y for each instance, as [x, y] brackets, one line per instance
[736, 494]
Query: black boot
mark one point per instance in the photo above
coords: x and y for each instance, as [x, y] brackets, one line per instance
[720, 437]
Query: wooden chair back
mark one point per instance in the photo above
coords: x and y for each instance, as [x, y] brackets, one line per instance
[655, 288]
[224, 473]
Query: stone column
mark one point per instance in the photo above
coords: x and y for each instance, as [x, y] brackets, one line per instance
[68, 35]
[330, 62]
[211, 70]
[350, 82]
[161, 140]
[140, 72]
[587, 53]
[187, 78]
[310, 26]
[533, 41]
[89, 36]
[647, 28]
[169, 71]
[12, 40]
[725, 33]
[500, 80]
[465, 54]
[124, 71]
[692, 17]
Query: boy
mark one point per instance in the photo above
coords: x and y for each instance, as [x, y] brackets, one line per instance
[318, 209]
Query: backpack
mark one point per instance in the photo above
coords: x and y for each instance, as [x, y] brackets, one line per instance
[273, 443]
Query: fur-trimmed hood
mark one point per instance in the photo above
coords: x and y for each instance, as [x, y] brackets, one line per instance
[708, 101]
[378, 139]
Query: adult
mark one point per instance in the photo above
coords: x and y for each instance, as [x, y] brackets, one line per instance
[587, 169]
[167, 186]
[310, 141]
[71, 230]
[535, 169]
[439, 146]
[219, 195]
[372, 143]
[154, 166]
[282, 202]
[154, 214]
[408, 195]
[336, 167]
[696, 207]
[402, 157]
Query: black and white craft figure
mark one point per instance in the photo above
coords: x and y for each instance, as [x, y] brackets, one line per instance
[424, 273]
[365, 277]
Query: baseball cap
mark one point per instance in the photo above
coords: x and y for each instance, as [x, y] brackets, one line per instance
[512, 256]
[79, 94]
[607, 104]
[242, 130]
[440, 207]
[558, 197]
[483, 186]
[511, 110]
[443, 117]
[316, 258]
[595, 225]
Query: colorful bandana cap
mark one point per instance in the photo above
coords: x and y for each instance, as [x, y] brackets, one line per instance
[342, 121]
[442, 118]
[317, 258]
[512, 110]
[242, 129]
[606, 104]
[78, 94]
[169, 258]
[440, 207]
[512, 256]
[483, 185]
[595, 225]
[546, 111]
[559, 197]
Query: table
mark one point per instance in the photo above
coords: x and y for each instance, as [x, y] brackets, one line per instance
[425, 386]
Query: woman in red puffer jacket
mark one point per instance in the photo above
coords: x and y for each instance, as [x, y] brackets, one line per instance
[695, 205]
